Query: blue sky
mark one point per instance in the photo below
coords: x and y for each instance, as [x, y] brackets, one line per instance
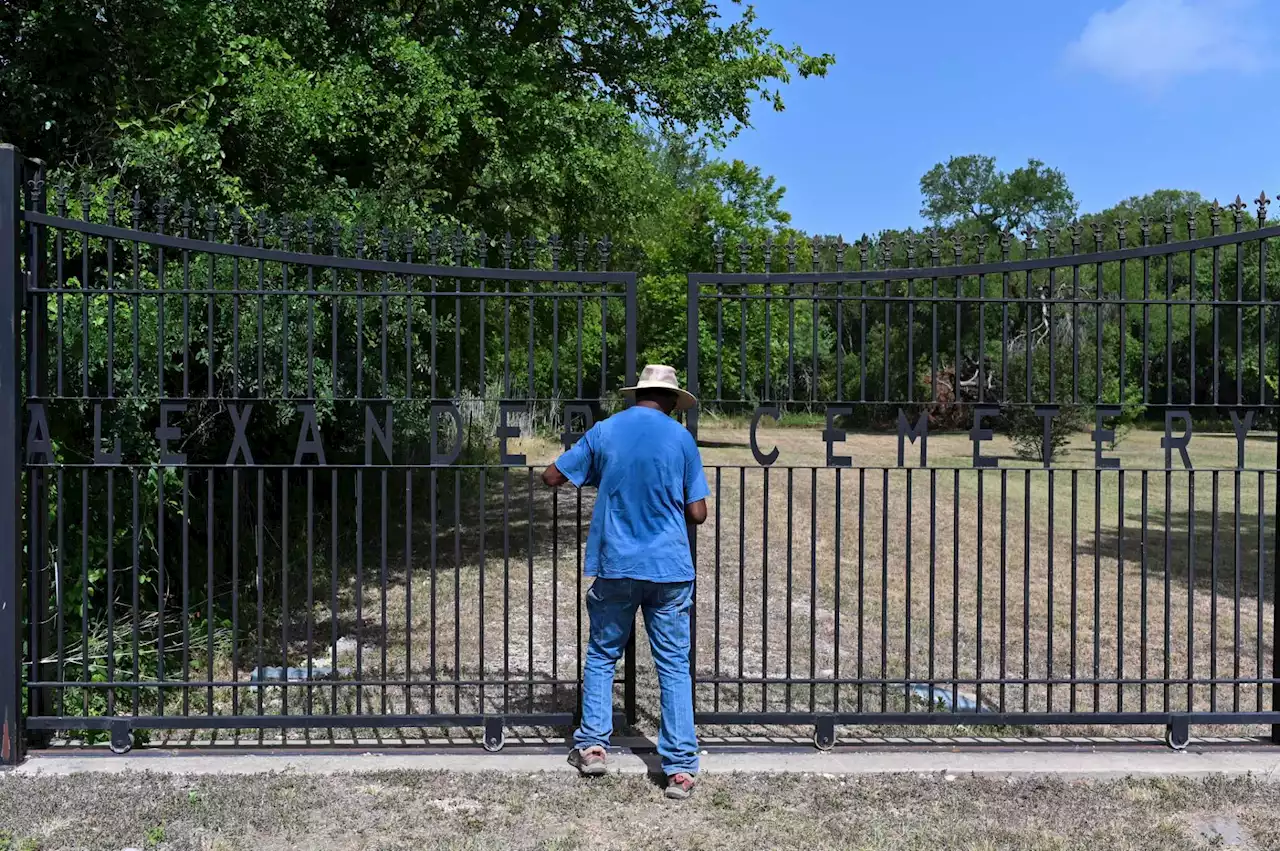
[1125, 96]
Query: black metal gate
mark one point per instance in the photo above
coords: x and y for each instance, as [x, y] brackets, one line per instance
[855, 573]
[280, 474]
[257, 477]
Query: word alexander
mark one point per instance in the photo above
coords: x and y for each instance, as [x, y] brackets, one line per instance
[309, 447]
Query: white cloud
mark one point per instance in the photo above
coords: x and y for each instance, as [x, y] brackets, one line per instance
[1151, 43]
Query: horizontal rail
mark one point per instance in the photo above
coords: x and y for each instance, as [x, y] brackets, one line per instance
[328, 261]
[1058, 261]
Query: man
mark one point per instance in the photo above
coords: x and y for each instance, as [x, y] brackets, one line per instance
[649, 477]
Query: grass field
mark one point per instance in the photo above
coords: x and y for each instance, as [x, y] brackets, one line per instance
[489, 811]
[810, 578]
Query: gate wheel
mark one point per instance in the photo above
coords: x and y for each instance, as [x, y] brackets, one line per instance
[824, 734]
[121, 738]
[494, 736]
[1177, 735]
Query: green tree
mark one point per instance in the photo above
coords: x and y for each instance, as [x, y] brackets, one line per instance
[501, 115]
[971, 188]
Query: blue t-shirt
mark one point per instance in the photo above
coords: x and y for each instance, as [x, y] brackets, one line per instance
[647, 469]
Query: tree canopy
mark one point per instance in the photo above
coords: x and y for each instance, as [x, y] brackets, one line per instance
[497, 114]
[971, 188]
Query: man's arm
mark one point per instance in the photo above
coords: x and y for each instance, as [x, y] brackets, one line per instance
[577, 466]
[695, 484]
[552, 477]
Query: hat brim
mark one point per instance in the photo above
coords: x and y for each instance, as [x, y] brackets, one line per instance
[684, 399]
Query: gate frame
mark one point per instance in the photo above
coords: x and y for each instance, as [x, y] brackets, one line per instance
[12, 726]
[1177, 723]
[21, 230]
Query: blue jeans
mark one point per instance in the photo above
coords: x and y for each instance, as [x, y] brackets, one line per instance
[611, 606]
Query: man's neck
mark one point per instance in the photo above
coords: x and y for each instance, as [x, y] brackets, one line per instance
[649, 404]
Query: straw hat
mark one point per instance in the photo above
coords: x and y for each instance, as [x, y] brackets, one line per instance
[657, 376]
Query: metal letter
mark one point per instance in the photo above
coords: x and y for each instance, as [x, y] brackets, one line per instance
[765, 459]
[506, 432]
[583, 409]
[445, 458]
[239, 445]
[383, 434]
[1101, 435]
[1169, 443]
[978, 434]
[308, 436]
[833, 435]
[1047, 413]
[1242, 432]
[907, 432]
[99, 457]
[166, 433]
[38, 442]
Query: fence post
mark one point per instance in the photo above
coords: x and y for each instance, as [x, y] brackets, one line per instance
[629, 684]
[12, 735]
[691, 422]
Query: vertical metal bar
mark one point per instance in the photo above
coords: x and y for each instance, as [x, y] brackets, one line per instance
[813, 588]
[259, 541]
[284, 597]
[1049, 608]
[408, 584]
[933, 590]
[1075, 585]
[359, 589]
[978, 654]
[311, 581]
[1026, 588]
[1097, 587]
[906, 689]
[884, 591]
[1191, 586]
[862, 598]
[160, 583]
[1120, 619]
[137, 605]
[1146, 315]
[790, 539]
[1142, 615]
[1213, 593]
[717, 614]
[1262, 547]
[764, 590]
[1004, 580]
[742, 579]
[529, 598]
[12, 723]
[716, 629]
[383, 577]
[955, 585]
[835, 664]
[1168, 583]
[1236, 565]
[1191, 308]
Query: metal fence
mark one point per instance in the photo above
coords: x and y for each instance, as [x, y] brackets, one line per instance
[274, 474]
[271, 473]
[902, 562]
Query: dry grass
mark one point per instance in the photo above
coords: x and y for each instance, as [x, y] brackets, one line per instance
[806, 574]
[955, 575]
[489, 811]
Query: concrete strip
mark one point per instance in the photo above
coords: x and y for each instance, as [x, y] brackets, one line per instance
[1082, 764]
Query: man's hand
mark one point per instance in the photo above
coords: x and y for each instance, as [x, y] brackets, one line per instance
[553, 478]
[695, 512]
